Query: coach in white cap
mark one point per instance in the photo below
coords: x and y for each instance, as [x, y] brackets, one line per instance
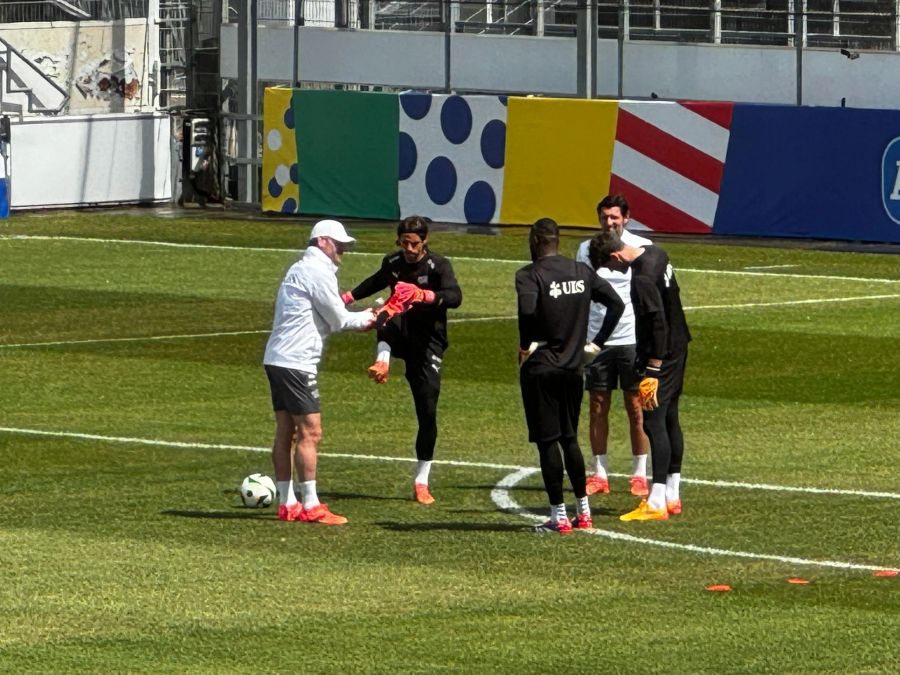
[307, 310]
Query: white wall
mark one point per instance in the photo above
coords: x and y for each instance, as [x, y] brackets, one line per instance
[548, 66]
[96, 159]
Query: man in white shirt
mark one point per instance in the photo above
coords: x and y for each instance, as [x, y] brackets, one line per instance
[308, 309]
[614, 366]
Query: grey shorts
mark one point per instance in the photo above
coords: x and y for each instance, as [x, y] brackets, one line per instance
[613, 367]
[293, 391]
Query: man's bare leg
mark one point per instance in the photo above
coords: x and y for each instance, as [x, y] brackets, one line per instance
[640, 444]
[599, 435]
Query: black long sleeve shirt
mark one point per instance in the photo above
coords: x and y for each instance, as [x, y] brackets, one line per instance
[424, 326]
[660, 326]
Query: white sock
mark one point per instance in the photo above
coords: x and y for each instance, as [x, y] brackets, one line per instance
[582, 508]
[310, 498]
[639, 465]
[286, 494]
[558, 513]
[673, 483]
[657, 498]
[384, 352]
[423, 469]
[601, 465]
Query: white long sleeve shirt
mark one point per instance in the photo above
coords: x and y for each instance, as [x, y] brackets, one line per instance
[307, 310]
[624, 333]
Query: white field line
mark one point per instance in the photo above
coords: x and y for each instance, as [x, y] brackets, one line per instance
[142, 338]
[785, 303]
[767, 267]
[191, 336]
[483, 465]
[501, 497]
[471, 319]
[500, 493]
[140, 242]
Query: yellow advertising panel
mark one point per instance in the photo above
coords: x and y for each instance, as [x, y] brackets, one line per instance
[558, 159]
[280, 187]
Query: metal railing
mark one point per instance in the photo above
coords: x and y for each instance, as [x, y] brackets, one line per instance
[19, 11]
[855, 24]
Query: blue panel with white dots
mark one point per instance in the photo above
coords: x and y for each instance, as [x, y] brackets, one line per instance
[452, 152]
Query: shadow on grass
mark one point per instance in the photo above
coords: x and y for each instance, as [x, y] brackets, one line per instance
[518, 488]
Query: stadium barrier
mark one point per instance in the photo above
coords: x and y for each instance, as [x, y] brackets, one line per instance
[90, 160]
[688, 167]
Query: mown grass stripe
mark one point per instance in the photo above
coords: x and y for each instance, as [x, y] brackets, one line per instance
[142, 242]
[447, 462]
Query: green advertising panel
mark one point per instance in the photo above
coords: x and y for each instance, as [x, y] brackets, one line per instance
[347, 153]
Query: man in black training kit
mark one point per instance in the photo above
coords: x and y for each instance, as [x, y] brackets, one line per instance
[662, 341]
[418, 335]
[554, 298]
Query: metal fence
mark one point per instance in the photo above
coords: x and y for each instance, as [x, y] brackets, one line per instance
[855, 24]
[18, 11]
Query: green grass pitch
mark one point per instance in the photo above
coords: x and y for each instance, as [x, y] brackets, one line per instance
[133, 401]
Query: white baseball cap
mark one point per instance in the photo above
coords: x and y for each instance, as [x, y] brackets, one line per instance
[333, 230]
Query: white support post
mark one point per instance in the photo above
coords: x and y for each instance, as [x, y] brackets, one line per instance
[716, 7]
[790, 17]
[836, 18]
[896, 25]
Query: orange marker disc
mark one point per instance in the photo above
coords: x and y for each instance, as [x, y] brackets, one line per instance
[798, 581]
[885, 573]
[718, 587]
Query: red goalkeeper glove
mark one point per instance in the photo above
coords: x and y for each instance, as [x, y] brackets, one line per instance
[648, 387]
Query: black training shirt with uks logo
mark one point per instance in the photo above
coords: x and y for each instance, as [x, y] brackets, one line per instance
[554, 297]
[424, 326]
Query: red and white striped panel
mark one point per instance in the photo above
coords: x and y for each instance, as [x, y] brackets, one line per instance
[668, 161]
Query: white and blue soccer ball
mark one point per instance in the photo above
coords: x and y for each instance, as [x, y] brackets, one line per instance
[258, 491]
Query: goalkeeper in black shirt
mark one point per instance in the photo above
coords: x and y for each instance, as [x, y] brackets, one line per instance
[554, 300]
[418, 336]
[662, 343]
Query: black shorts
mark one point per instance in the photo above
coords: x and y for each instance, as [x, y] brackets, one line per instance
[671, 378]
[552, 400]
[612, 367]
[293, 391]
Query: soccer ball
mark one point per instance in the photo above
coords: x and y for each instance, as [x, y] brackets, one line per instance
[257, 491]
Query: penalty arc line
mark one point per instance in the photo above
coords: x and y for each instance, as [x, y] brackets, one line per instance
[501, 497]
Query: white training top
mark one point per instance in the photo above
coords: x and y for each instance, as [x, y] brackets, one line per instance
[623, 334]
[307, 310]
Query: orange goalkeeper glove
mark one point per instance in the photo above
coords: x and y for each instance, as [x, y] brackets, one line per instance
[388, 311]
[410, 294]
[648, 388]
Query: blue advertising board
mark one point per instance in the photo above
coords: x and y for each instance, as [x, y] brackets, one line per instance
[824, 173]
